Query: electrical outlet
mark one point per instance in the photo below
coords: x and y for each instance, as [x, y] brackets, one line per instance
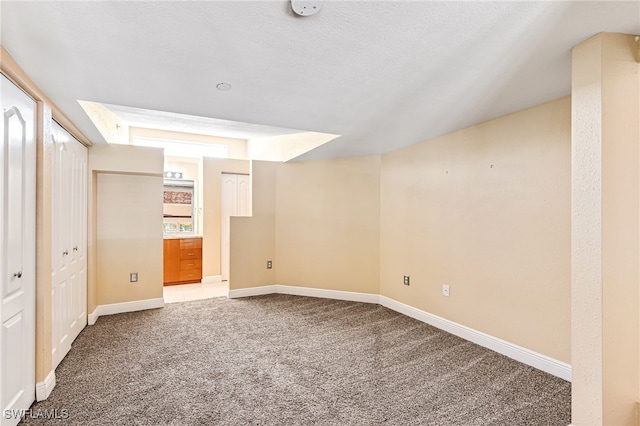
[406, 280]
[445, 290]
[133, 277]
[269, 264]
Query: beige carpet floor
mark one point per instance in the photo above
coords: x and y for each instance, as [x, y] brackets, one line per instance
[288, 360]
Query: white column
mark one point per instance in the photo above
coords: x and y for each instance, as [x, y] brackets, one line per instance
[605, 227]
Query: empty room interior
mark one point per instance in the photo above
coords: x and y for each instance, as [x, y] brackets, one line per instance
[320, 212]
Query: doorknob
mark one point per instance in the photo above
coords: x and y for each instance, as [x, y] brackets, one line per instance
[75, 248]
[66, 252]
[18, 274]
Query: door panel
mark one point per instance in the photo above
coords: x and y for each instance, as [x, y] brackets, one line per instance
[244, 195]
[12, 336]
[15, 127]
[17, 257]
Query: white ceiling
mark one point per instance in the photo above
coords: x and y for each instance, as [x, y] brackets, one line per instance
[382, 74]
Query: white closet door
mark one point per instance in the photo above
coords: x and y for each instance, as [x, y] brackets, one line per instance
[60, 204]
[236, 201]
[17, 256]
[78, 231]
[69, 243]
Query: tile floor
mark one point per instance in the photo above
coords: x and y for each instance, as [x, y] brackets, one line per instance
[187, 292]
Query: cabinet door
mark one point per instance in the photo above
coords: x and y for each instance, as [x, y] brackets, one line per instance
[171, 261]
[17, 256]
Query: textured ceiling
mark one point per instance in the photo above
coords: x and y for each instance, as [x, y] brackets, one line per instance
[382, 74]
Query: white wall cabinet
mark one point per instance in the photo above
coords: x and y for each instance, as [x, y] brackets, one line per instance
[69, 242]
[17, 254]
[236, 201]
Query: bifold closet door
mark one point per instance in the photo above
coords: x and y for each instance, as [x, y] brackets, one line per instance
[236, 201]
[69, 242]
[17, 255]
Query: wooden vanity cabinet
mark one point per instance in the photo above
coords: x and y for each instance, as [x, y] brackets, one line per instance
[182, 261]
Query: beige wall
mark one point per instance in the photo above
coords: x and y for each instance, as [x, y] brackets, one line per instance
[605, 231]
[211, 202]
[326, 231]
[327, 224]
[124, 178]
[129, 237]
[485, 210]
[253, 239]
[236, 148]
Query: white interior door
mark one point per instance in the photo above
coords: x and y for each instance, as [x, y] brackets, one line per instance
[17, 257]
[236, 201]
[69, 242]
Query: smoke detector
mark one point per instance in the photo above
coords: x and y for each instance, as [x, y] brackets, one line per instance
[306, 7]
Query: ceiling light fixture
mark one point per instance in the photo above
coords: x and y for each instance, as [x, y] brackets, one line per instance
[223, 87]
[306, 7]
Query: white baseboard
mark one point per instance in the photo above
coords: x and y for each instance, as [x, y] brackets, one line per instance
[93, 317]
[304, 291]
[119, 308]
[253, 291]
[524, 355]
[44, 388]
[212, 279]
[328, 294]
